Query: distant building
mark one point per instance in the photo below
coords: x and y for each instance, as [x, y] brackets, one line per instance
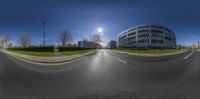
[5, 44]
[112, 44]
[147, 36]
[194, 46]
[88, 44]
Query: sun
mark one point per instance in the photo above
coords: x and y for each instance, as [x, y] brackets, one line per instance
[99, 30]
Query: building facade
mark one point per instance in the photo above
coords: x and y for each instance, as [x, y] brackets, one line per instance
[88, 44]
[112, 44]
[147, 36]
[5, 43]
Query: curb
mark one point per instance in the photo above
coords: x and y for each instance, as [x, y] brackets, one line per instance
[152, 55]
[149, 57]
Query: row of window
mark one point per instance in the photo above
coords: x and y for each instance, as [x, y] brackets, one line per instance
[157, 41]
[170, 35]
[131, 38]
[131, 42]
[140, 27]
[146, 35]
[157, 35]
[168, 38]
[156, 31]
[143, 35]
[132, 29]
[144, 30]
[153, 41]
[143, 41]
[130, 34]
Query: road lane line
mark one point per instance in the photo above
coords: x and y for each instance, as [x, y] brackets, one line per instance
[186, 57]
[120, 60]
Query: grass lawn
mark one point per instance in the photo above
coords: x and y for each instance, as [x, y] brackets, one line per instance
[150, 51]
[35, 53]
[67, 53]
[47, 54]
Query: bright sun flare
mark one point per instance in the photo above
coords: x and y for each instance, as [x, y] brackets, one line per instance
[99, 30]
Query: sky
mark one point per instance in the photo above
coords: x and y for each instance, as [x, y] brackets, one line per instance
[82, 17]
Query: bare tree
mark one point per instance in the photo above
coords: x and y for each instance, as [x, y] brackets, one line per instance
[25, 39]
[65, 37]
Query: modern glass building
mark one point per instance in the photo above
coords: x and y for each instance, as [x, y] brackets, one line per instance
[147, 36]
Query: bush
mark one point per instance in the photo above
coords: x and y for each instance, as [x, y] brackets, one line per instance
[46, 49]
[33, 48]
[72, 49]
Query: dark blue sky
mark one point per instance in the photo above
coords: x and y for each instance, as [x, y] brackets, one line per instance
[83, 16]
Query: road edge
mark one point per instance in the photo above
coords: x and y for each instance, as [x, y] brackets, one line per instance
[148, 57]
[49, 62]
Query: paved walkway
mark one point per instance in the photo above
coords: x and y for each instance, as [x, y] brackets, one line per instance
[56, 59]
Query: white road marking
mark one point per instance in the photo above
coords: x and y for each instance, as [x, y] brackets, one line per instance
[186, 57]
[120, 60]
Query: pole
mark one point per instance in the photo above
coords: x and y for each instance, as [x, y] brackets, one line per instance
[44, 33]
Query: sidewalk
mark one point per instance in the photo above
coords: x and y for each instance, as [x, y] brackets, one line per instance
[152, 55]
[56, 59]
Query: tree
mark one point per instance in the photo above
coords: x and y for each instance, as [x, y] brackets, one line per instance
[25, 39]
[65, 37]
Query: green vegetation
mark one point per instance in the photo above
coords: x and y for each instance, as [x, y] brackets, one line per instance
[148, 51]
[33, 49]
[46, 49]
[35, 53]
[66, 53]
[72, 49]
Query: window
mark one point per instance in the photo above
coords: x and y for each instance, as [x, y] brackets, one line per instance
[143, 35]
[168, 38]
[153, 41]
[143, 41]
[144, 30]
[132, 29]
[132, 34]
[156, 31]
[131, 38]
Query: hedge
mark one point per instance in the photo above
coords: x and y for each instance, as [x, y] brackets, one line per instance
[46, 49]
[33, 48]
[72, 48]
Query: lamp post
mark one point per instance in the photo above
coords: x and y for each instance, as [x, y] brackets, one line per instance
[44, 32]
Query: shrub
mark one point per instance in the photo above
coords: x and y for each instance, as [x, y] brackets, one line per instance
[72, 49]
[33, 48]
[46, 49]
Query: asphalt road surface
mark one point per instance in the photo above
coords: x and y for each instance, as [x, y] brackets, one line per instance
[103, 75]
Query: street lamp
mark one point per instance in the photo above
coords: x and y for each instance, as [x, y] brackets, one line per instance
[44, 32]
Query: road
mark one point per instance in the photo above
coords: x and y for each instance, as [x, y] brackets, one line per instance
[102, 76]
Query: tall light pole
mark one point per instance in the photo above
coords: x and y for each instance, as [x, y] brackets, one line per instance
[44, 32]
